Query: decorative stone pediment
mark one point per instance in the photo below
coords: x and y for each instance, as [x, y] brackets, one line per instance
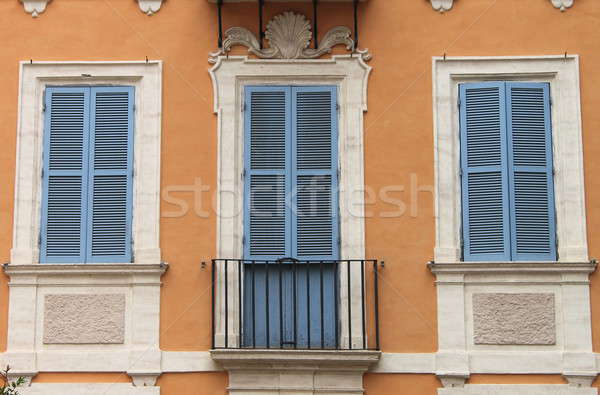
[442, 5]
[562, 4]
[289, 35]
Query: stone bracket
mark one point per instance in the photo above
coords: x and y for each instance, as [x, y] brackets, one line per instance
[308, 372]
[562, 4]
[453, 381]
[144, 379]
[442, 5]
[150, 7]
[35, 7]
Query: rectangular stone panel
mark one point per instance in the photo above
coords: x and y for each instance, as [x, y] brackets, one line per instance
[84, 319]
[514, 319]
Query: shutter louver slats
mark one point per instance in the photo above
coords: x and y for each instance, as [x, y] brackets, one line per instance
[267, 221]
[486, 222]
[315, 172]
[110, 176]
[267, 161]
[65, 175]
[485, 201]
[532, 213]
[268, 131]
[109, 217]
[314, 130]
[314, 210]
[530, 170]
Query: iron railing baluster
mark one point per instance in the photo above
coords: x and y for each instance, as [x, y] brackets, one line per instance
[315, 276]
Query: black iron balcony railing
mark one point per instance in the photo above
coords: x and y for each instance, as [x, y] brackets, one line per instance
[292, 304]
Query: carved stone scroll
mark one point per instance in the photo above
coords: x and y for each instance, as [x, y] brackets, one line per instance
[289, 36]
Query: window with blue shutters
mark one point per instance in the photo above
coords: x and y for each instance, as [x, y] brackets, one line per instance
[506, 169]
[291, 211]
[87, 177]
[291, 201]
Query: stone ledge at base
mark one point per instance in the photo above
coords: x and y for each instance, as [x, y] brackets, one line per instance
[88, 389]
[521, 389]
[306, 371]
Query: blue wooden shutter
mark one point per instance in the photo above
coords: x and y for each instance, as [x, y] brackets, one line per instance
[267, 173]
[65, 175]
[530, 172]
[486, 224]
[110, 175]
[314, 173]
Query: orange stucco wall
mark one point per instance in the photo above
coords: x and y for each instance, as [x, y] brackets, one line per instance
[403, 36]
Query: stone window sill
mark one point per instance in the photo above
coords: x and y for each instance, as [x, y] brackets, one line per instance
[512, 267]
[87, 268]
[277, 358]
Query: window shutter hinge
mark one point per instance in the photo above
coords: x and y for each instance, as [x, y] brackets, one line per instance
[44, 103]
[244, 173]
[244, 240]
[244, 107]
[551, 102]
[458, 102]
[337, 107]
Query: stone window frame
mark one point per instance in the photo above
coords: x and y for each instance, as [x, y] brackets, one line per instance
[146, 77]
[229, 75]
[562, 73]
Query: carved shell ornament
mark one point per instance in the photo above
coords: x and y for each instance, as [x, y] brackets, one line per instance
[289, 36]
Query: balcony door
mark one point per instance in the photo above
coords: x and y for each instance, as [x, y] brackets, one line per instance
[291, 236]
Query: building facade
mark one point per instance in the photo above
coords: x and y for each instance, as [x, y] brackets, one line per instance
[303, 197]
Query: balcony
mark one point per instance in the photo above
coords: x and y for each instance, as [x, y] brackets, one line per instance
[289, 304]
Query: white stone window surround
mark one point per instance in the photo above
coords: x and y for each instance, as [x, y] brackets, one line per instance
[562, 72]
[229, 76]
[146, 77]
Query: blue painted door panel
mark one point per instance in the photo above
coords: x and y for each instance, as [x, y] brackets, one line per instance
[304, 319]
[291, 211]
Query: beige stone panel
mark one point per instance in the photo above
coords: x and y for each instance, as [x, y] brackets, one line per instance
[514, 318]
[84, 319]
